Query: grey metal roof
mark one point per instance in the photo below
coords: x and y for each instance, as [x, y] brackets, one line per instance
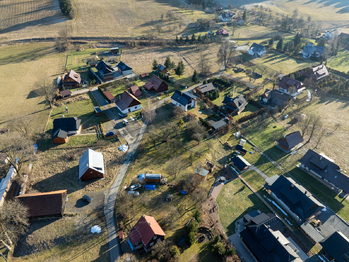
[257, 48]
[207, 88]
[201, 171]
[60, 133]
[219, 124]
[91, 159]
[312, 232]
[123, 67]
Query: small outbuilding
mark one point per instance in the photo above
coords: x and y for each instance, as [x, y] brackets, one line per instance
[134, 90]
[162, 69]
[240, 149]
[201, 173]
[240, 163]
[91, 165]
[290, 141]
[98, 111]
[65, 93]
[152, 178]
[60, 137]
[45, 204]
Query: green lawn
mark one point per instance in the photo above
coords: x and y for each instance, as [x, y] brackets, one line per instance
[77, 60]
[339, 62]
[236, 200]
[254, 179]
[202, 250]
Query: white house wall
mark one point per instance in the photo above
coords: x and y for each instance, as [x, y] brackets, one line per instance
[127, 72]
[130, 109]
[185, 108]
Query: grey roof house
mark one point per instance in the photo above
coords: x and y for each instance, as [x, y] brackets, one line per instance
[311, 51]
[218, 125]
[275, 98]
[206, 88]
[293, 197]
[237, 104]
[124, 69]
[257, 50]
[322, 167]
[183, 100]
[288, 142]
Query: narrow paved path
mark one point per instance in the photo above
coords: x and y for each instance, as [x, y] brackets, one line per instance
[258, 171]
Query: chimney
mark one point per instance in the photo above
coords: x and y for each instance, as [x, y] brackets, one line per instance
[292, 186]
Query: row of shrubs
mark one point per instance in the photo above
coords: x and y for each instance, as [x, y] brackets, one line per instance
[342, 74]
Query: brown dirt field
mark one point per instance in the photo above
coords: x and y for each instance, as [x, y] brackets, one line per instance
[141, 59]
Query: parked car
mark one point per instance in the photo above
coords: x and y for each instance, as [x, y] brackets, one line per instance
[87, 199]
[111, 133]
[122, 114]
[136, 193]
[125, 122]
[135, 187]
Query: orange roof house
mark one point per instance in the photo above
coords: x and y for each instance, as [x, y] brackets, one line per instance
[145, 233]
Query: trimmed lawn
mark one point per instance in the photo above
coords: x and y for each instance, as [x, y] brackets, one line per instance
[235, 200]
[200, 250]
[254, 179]
[339, 62]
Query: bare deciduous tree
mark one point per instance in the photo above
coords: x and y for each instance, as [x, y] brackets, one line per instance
[62, 41]
[174, 166]
[304, 125]
[47, 89]
[205, 68]
[320, 134]
[224, 53]
[17, 148]
[148, 113]
[13, 222]
[178, 113]
[315, 123]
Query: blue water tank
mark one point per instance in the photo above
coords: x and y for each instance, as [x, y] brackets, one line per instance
[150, 187]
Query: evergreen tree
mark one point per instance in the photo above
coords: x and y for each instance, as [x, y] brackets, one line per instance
[195, 78]
[187, 39]
[297, 39]
[155, 65]
[177, 40]
[271, 42]
[199, 38]
[181, 39]
[279, 45]
[321, 42]
[244, 16]
[173, 65]
[168, 62]
[193, 38]
[180, 68]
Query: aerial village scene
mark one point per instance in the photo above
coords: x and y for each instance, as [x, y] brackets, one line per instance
[174, 130]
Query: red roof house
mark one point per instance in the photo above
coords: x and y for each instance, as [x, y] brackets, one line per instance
[44, 204]
[156, 84]
[128, 103]
[145, 233]
[134, 90]
[109, 96]
[222, 32]
[71, 80]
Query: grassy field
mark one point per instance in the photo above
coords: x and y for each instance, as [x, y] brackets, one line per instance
[236, 200]
[21, 67]
[339, 62]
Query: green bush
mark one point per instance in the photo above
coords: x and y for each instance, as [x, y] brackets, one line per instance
[232, 251]
[191, 238]
[192, 227]
[65, 6]
[219, 249]
[175, 251]
[197, 216]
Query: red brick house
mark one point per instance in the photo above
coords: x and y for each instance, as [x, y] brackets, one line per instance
[72, 80]
[156, 84]
[145, 234]
[134, 90]
[45, 204]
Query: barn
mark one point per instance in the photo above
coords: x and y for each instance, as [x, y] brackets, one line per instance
[91, 165]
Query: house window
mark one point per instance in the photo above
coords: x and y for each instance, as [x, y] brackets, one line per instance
[151, 244]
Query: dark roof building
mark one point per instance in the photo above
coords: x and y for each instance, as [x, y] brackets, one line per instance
[70, 124]
[124, 69]
[72, 79]
[290, 141]
[323, 167]
[44, 204]
[156, 84]
[293, 197]
[237, 104]
[275, 98]
[287, 83]
[145, 233]
[240, 163]
[105, 70]
[265, 240]
[219, 124]
[65, 93]
[316, 73]
[241, 149]
[134, 90]
[206, 88]
[337, 247]
[128, 103]
[183, 100]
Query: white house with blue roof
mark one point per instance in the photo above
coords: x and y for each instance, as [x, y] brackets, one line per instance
[184, 100]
